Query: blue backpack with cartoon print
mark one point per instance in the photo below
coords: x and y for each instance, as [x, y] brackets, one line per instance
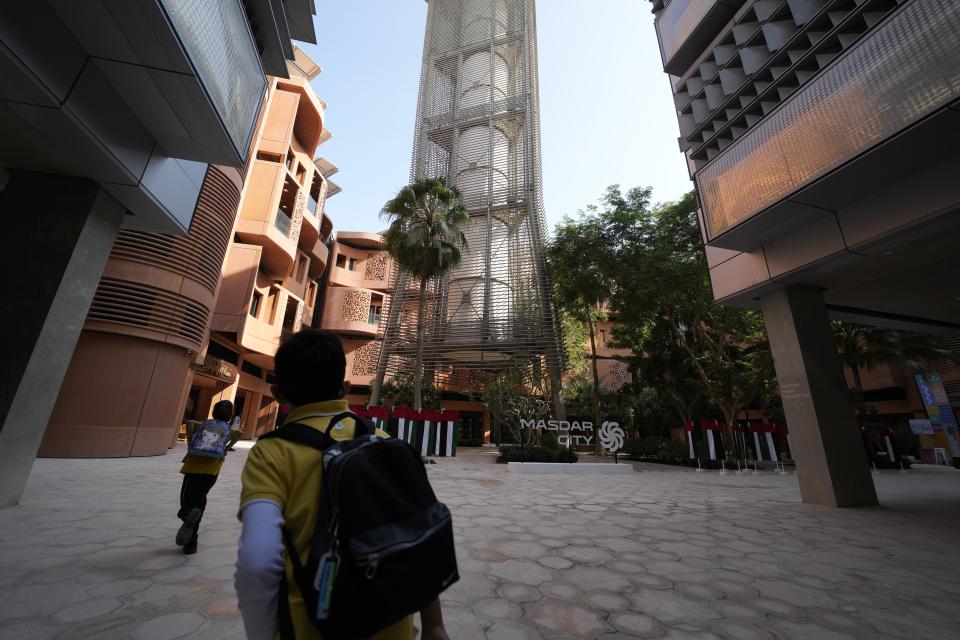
[210, 440]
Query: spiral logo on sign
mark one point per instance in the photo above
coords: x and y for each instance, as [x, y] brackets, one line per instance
[611, 436]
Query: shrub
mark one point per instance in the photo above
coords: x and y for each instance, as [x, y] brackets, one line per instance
[549, 441]
[512, 453]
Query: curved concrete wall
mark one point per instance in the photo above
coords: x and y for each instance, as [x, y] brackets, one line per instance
[122, 393]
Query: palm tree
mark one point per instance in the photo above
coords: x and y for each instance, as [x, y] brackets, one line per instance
[425, 240]
[862, 347]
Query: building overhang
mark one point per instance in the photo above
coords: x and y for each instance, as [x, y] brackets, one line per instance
[138, 95]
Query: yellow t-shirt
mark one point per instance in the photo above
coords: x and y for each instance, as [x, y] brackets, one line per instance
[200, 464]
[289, 474]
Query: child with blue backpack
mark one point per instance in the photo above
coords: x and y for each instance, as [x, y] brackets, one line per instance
[201, 466]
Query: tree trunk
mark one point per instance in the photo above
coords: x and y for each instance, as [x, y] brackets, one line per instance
[596, 389]
[418, 368]
[858, 392]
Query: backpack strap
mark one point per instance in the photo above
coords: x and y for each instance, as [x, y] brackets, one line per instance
[311, 437]
[284, 616]
[301, 434]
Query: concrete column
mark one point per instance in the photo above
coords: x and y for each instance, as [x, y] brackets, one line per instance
[61, 230]
[831, 464]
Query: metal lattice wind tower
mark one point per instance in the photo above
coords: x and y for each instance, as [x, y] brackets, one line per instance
[478, 125]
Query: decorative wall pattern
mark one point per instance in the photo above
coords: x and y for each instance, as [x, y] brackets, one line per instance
[618, 376]
[365, 359]
[376, 268]
[355, 306]
[298, 209]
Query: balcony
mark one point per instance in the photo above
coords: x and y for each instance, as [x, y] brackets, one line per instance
[353, 311]
[282, 222]
[686, 27]
[269, 218]
[842, 134]
[250, 306]
[319, 255]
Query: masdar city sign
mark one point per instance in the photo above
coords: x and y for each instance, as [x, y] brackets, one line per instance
[577, 432]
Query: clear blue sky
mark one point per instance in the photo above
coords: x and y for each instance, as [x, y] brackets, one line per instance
[606, 111]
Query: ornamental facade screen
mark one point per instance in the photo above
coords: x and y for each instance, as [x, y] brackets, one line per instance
[478, 127]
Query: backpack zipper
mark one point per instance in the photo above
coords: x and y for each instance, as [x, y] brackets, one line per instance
[372, 561]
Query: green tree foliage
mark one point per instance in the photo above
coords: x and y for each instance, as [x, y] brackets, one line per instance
[513, 394]
[399, 390]
[578, 255]
[426, 241]
[684, 343]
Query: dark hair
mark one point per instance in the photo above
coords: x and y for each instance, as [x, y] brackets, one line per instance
[310, 367]
[223, 410]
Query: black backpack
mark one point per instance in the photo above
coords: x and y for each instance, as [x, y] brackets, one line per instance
[382, 547]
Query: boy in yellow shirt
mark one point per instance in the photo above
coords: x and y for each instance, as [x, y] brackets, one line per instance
[281, 487]
[200, 474]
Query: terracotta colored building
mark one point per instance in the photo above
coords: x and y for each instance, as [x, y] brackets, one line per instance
[178, 322]
[277, 257]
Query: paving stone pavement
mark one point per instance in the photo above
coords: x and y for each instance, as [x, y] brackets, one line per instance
[664, 553]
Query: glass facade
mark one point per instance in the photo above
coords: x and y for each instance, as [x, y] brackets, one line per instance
[903, 71]
[217, 39]
[677, 23]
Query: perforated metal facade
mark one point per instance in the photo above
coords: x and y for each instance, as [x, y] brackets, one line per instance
[478, 126]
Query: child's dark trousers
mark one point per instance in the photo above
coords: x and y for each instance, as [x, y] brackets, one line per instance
[193, 494]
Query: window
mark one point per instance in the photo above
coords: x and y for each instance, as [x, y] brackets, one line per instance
[217, 350]
[301, 268]
[341, 261]
[272, 299]
[376, 309]
[290, 161]
[255, 304]
[352, 265]
[252, 369]
[269, 157]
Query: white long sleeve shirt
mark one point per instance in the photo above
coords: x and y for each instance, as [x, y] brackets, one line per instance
[260, 566]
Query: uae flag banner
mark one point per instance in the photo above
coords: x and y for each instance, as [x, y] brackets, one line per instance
[447, 433]
[691, 446]
[714, 435]
[403, 426]
[885, 433]
[740, 438]
[379, 416]
[764, 446]
[426, 439]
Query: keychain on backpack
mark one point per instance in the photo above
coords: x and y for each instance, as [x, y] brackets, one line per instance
[323, 582]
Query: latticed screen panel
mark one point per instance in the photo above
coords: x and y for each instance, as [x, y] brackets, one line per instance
[903, 71]
[478, 127]
[770, 51]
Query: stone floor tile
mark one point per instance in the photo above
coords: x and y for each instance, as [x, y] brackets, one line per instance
[737, 630]
[168, 627]
[522, 571]
[497, 609]
[595, 578]
[87, 610]
[512, 631]
[560, 590]
[637, 625]
[566, 619]
[607, 601]
[519, 593]
[672, 608]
